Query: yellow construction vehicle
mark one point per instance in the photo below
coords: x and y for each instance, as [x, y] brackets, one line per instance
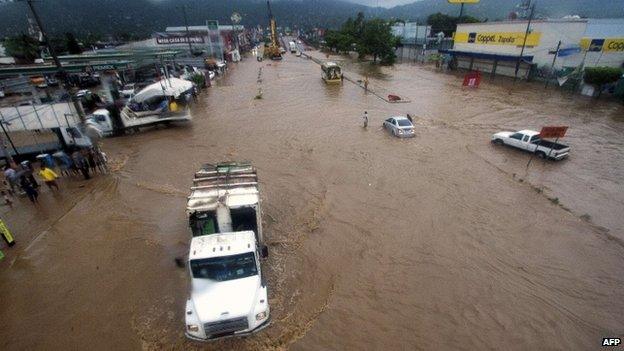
[272, 49]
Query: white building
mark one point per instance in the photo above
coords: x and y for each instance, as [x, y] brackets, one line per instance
[411, 32]
[497, 46]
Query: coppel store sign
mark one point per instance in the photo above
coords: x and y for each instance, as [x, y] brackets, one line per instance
[498, 38]
[603, 45]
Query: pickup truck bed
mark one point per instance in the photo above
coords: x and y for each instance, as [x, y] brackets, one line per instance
[550, 144]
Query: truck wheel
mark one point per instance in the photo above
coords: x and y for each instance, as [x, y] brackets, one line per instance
[497, 142]
[541, 154]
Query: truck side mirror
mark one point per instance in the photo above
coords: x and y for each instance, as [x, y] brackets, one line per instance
[264, 251]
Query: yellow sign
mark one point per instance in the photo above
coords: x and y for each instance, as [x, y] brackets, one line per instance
[463, 1]
[498, 38]
[603, 45]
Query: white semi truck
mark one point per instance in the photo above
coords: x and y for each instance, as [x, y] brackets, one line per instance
[228, 294]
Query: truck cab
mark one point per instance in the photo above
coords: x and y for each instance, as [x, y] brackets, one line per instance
[100, 122]
[228, 294]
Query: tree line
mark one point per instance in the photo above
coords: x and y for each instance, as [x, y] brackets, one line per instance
[366, 37]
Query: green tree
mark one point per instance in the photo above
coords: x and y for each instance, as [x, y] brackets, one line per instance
[72, 44]
[601, 76]
[377, 40]
[440, 22]
[22, 47]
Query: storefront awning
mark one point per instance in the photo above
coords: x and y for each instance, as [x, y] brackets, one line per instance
[486, 56]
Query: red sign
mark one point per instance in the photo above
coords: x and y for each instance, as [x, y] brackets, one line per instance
[472, 79]
[553, 132]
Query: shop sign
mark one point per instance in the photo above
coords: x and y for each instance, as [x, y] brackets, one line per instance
[603, 45]
[498, 38]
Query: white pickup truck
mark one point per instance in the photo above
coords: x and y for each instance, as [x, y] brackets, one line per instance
[529, 140]
[228, 291]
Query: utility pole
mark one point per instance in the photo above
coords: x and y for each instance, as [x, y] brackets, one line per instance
[552, 67]
[3, 148]
[60, 71]
[526, 35]
[188, 36]
[461, 12]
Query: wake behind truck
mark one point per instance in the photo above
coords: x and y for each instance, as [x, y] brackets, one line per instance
[228, 291]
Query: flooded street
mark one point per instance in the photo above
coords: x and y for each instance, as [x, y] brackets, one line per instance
[443, 241]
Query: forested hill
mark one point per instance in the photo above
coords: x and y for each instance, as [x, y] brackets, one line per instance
[143, 17]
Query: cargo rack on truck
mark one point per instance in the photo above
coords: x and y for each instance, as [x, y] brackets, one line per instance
[226, 193]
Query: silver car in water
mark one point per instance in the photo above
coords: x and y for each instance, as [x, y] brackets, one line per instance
[399, 126]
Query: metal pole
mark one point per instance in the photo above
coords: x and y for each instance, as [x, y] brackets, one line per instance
[57, 62]
[552, 67]
[461, 12]
[188, 36]
[526, 34]
[2, 122]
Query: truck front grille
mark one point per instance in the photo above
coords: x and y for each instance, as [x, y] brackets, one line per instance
[228, 326]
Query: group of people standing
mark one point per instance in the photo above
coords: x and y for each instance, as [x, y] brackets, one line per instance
[20, 179]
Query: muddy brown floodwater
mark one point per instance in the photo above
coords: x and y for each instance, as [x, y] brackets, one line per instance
[439, 242]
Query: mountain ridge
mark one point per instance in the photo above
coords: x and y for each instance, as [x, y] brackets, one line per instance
[144, 17]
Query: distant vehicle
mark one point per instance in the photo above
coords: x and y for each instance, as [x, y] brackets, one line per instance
[228, 292]
[53, 82]
[293, 47]
[128, 90]
[2, 93]
[529, 140]
[159, 103]
[282, 50]
[399, 126]
[88, 81]
[331, 72]
[82, 93]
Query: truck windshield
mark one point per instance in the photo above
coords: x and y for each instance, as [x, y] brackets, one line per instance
[225, 268]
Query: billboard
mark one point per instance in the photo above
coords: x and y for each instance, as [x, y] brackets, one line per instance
[553, 132]
[463, 1]
[166, 39]
[498, 38]
[603, 45]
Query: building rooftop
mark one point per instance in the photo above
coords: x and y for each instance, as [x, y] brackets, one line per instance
[202, 28]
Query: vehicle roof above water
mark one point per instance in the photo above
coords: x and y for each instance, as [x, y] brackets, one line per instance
[399, 118]
[223, 244]
[233, 184]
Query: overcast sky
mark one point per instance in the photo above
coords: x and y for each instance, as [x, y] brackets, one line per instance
[383, 3]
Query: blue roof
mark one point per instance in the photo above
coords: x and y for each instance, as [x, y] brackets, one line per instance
[486, 56]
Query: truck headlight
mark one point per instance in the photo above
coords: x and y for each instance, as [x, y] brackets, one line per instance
[192, 328]
[400, 131]
[260, 316]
